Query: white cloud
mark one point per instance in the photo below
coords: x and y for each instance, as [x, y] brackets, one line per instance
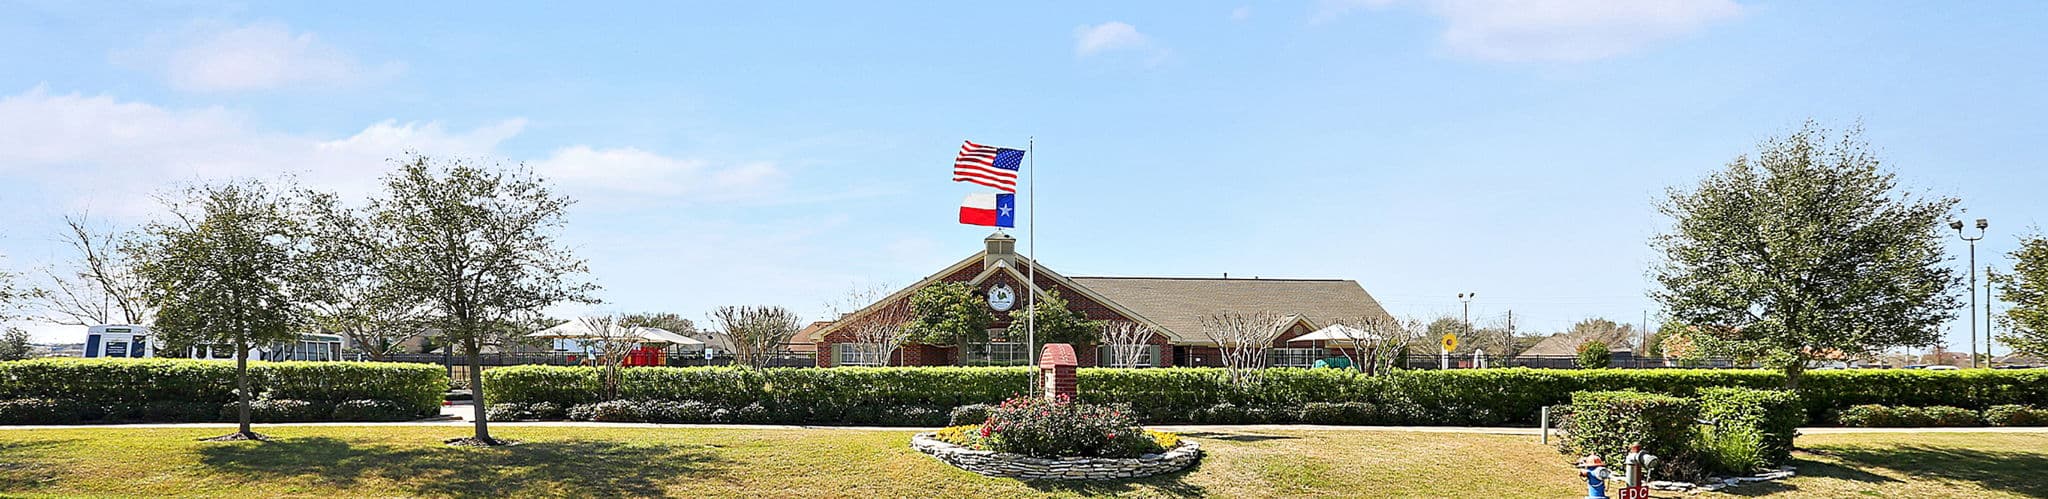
[216, 58]
[1555, 30]
[1240, 13]
[639, 172]
[1109, 36]
[109, 155]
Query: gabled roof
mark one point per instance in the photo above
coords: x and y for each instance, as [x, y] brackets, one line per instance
[1178, 305]
[1563, 345]
[1000, 268]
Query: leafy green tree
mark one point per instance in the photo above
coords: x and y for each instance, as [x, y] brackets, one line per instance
[1057, 323]
[478, 247]
[347, 292]
[1810, 249]
[225, 271]
[1594, 355]
[2026, 289]
[14, 344]
[947, 313]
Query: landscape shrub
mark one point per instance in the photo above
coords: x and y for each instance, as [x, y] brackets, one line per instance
[510, 411]
[179, 411]
[970, 414]
[1461, 397]
[1338, 413]
[1952, 416]
[272, 411]
[1607, 423]
[1041, 427]
[1224, 413]
[37, 411]
[2015, 415]
[148, 389]
[370, 410]
[1751, 430]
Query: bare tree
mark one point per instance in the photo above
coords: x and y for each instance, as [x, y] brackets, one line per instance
[612, 340]
[98, 286]
[1376, 341]
[880, 329]
[1126, 341]
[757, 332]
[1243, 340]
[1612, 333]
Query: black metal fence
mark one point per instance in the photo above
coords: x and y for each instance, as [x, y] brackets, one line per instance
[1619, 361]
[578, 358]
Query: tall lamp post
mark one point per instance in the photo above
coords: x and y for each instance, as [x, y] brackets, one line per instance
[1465, 298]
[1981, 225]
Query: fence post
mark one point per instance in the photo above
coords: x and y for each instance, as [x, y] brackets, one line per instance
[1545, 421]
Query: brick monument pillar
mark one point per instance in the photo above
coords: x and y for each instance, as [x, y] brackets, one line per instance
[1056, 366]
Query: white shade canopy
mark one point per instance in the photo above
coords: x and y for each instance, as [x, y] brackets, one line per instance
[576, 330]
[1337, 332]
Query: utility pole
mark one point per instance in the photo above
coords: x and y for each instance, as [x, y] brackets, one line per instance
[1989, 326]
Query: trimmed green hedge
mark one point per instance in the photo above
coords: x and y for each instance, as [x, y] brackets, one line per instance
[181, 390]
[1607, 423]
[1483, 397]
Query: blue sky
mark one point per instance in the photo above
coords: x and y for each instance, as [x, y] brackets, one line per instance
[784, 154]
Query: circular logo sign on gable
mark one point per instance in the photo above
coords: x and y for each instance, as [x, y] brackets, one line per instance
[1001, 297]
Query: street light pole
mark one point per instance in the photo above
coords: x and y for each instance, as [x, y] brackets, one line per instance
[1981, 225]
[1466, 298]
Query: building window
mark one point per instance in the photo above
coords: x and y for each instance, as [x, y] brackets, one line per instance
[1294, 357]
[857, 354]
[1148, 356]
[995, 354]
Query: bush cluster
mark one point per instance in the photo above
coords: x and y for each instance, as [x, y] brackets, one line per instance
[970, 414]
[1469, 397]
[2015, 415]
[1748, 430]
[177, 390]
[1874, 415]
[1042, 427]
[273, 411]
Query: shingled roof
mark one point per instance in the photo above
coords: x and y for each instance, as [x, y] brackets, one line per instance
[1180, 304]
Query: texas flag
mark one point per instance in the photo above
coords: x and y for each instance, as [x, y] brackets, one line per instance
[995, 210]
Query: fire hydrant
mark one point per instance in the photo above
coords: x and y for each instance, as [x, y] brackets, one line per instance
[1637, 471]
[1594, 470]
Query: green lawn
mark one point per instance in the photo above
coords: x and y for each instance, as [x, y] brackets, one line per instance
[410, 461]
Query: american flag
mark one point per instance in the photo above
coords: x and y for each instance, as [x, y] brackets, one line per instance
[988, 165]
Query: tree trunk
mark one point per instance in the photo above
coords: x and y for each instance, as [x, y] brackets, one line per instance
[242, 389]
[476, 394]
[1793, 373]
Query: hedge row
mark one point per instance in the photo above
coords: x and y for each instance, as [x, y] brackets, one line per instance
[1873, 415]
[179, 389]
[1722, 430]
[1486, 397]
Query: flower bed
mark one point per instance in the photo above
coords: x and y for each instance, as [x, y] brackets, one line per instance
[1039, 438]
[1004, 464]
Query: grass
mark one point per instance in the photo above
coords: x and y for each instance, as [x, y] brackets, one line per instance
[558, 461]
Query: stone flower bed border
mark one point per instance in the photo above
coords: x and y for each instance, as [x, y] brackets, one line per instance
[1004, 464]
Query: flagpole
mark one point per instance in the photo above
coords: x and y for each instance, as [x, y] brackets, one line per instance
[1031, 253]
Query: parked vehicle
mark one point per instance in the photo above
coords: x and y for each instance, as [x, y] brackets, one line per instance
[135, 342]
